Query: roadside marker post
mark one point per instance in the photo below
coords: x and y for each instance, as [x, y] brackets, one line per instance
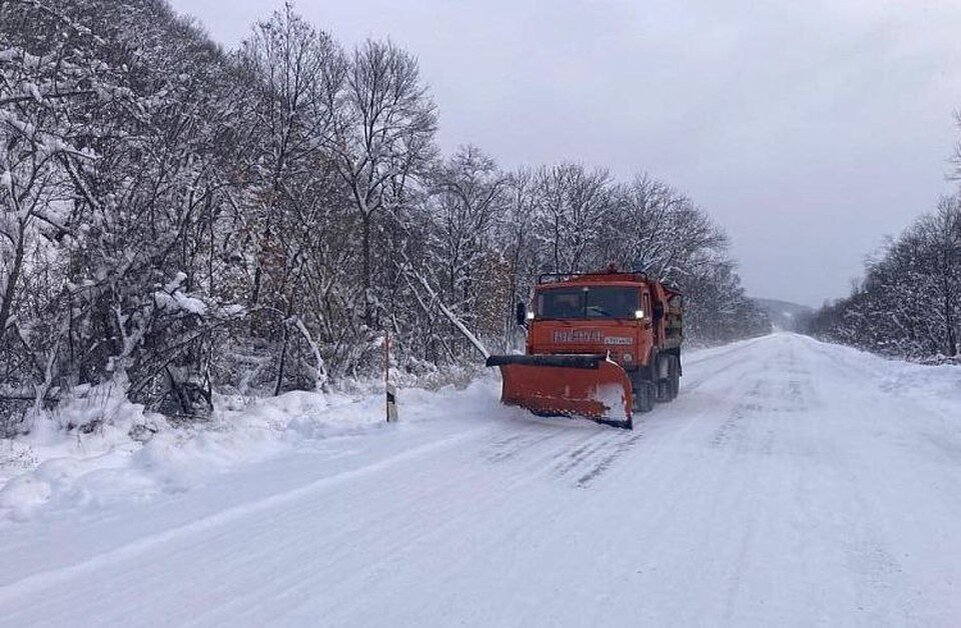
[390, 389]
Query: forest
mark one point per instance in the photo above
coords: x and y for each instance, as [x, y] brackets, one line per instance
[179, 220]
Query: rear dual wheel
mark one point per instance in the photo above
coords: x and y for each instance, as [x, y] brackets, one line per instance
[668, 387]
[675, 376]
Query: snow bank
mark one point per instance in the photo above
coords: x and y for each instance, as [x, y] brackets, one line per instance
[99, 448]
[934, 386]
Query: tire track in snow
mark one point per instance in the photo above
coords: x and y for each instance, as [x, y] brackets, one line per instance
[509, 447]
[605, 463]
[588, 457]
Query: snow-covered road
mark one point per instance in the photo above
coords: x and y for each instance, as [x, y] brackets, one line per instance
[792, 482]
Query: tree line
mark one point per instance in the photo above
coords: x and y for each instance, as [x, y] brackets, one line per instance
[180, 220]
[908, 304]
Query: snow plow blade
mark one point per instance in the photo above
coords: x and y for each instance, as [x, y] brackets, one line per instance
[589, 386]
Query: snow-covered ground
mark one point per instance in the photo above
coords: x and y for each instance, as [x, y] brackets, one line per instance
[124, 454]
[791, 483]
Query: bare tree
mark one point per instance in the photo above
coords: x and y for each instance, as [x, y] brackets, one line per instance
[468, 203]
[296, 196]
[573, 204]
[382, 140]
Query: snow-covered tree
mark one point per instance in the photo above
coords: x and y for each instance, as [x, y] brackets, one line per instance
[909, 302]
[382, 141]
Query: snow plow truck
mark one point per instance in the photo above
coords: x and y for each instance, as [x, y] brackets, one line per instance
[602, 346]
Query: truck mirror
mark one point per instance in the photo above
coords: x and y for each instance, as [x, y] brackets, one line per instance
[658, 311]
[521, 313]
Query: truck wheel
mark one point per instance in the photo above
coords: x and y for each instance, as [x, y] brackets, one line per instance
[663, 385]
[667, 387]
[663, 391]
[644, 397]
[674, 378]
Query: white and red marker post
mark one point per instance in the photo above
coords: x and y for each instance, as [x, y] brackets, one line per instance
[390, 389]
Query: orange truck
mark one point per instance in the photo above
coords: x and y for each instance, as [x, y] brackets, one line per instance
[600, 345]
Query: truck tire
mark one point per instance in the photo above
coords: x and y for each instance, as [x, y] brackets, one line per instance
[663, 391]
[674, 377]
[644, 394]
[661, 384]
[667, 387]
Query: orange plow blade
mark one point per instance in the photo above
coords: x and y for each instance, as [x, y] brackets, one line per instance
[589, 386]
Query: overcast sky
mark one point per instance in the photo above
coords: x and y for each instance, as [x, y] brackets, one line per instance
[808, 129]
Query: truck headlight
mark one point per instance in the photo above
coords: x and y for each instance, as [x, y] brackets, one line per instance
[639, 314]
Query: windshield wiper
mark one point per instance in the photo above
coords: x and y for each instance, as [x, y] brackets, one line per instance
[603, 312]
[599, 310]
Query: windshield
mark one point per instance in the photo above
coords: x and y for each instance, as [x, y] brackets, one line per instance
[588, 302]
